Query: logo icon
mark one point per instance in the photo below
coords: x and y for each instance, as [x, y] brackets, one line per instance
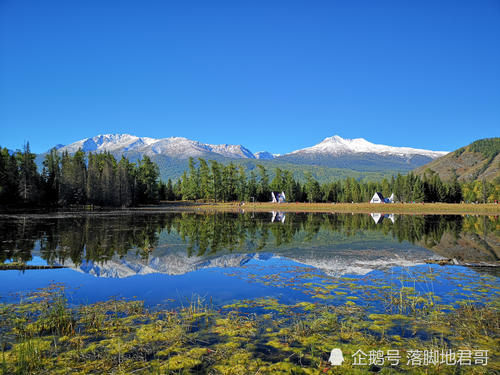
[336, 357]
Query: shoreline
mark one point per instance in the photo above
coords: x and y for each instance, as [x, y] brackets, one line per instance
[397, 208]
[298, 207]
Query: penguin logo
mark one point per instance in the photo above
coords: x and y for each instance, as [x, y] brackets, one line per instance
[336, 357]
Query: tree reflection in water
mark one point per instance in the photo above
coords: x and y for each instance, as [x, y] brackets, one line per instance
[98, 238]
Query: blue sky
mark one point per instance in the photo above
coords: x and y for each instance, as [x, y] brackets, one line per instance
[271, 75]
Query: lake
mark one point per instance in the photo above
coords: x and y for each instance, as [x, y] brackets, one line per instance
[259, 263]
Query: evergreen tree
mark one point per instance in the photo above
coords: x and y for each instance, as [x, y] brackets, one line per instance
[312, 189]
[9, 178]
[241, 189]
[216, 190]
[252, 187]
[204, 180]
[51, 174]
[28, 176]
[124, 182]
[418, 194]
[147, 178]
[170, 194]
[263, 191]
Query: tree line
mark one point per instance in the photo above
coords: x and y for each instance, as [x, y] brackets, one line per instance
[214, 181]
[100, 179]
[77, 179]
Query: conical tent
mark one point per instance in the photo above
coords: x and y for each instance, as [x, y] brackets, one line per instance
[278, 197]
[377, 198]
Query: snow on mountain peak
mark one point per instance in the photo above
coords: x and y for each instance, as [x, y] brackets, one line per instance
[178, 147]
[264, 155]
[183, 148]
[108, 142]
[339, 145]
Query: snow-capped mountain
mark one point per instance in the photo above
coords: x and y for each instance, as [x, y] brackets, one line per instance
[170, 264]
[337, 145]
[171, 154]
[181, 147]
[177, 147]
[108, 142]
[337, 263]
[264, 155]
[360, 155]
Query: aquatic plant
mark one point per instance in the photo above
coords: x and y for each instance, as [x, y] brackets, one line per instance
[262, 336]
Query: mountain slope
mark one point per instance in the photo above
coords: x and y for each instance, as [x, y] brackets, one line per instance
[337, 145]
[178, 147]
[333, 158]
[361, 155]
[480, 159]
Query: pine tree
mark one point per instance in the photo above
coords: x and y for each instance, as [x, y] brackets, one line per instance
[289, 186]
[28, 176]
[124, 182]
[147, 176]
[263, 191]
[79, 177]
[9, 178]
[312, 189]
[215, 188]
[252, 187]
[241, 189]
[169, 194]
[52, 176]
[204, 179]
[418, 191]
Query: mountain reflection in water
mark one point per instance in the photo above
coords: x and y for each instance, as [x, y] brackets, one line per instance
[122, 245]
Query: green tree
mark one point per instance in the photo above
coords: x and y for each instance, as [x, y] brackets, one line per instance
[215, 188]
[263, 191]
[51, 176]
[147, 176]
[204, 180]
[28, 176]
[9, 177]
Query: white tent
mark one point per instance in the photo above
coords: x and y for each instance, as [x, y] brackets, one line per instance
[378, 218]
[278, 197]
[377, 198]
[278, 216]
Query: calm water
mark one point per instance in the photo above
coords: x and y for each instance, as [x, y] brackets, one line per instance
[171, 258]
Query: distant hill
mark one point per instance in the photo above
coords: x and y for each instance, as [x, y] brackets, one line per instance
[171, 167]
[479, 160]
[333, 158]
[360, 155]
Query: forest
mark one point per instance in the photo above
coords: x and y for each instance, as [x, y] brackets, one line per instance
[216, 182]
[78, 179]
[99, 179]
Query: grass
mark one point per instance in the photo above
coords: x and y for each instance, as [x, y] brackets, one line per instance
[23, 266]
[43, 334]
[399, 208]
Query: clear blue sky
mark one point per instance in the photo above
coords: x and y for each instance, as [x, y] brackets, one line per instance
[271, 75]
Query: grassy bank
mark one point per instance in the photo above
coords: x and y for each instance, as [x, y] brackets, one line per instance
[23, 266]
[399, 208]
[43, 335]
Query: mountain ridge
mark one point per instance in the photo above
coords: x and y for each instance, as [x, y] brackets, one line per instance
[172, 154]
[187, 147]
[478, 160]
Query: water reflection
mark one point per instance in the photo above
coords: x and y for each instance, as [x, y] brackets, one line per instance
[179, 242]
[278, 216]
[378, 218]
